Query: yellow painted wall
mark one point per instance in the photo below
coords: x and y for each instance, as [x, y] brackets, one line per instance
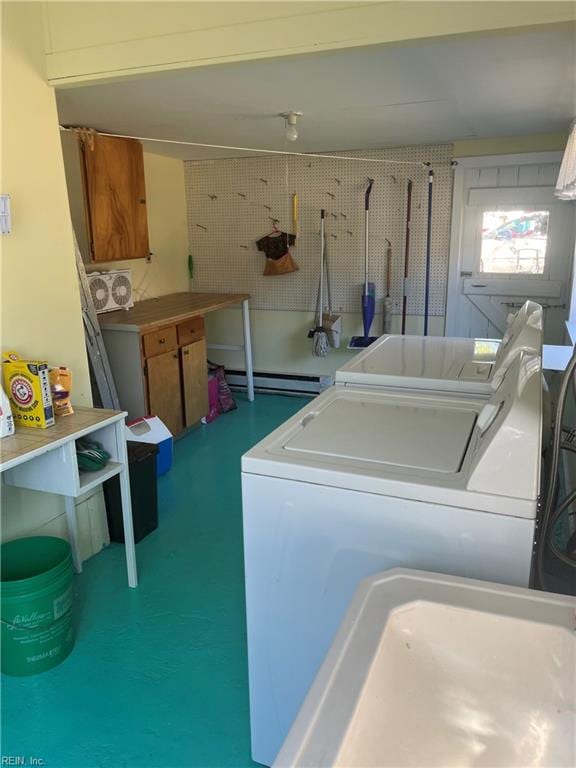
[92, 41]
[511, 145]
[167, 271]
[40, 298]
[40, 314]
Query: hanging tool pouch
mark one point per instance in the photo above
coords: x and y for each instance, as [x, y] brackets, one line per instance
[276, 247]
[281, 266]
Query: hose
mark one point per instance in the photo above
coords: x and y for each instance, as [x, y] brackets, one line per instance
[548, 518]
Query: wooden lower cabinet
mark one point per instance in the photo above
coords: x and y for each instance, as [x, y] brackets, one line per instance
[161, 372]
[164, 389]
[194, 382]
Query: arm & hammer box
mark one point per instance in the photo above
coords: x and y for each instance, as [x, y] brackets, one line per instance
[27, 384]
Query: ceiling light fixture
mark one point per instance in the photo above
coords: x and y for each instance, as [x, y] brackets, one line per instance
[291, 119]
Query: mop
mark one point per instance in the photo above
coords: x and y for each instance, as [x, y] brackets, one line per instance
[406, 255]
[369, 290]
[320, 344]
[388, 304]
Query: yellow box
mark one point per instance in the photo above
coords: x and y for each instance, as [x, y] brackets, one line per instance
[27, 384]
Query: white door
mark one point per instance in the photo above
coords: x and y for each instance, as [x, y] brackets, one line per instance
[512, 240]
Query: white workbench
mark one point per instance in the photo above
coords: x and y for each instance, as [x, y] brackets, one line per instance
[45, 460]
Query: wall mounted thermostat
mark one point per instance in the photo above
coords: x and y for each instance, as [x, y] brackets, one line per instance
[5, 217]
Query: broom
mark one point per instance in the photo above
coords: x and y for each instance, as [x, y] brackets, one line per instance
[388, 304]
[320, 344]
[331, 323]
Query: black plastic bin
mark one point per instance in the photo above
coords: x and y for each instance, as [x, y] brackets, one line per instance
[144, 491]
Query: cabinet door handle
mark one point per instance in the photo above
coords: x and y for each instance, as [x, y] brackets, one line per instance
[186, 352]
[175, 357]
[161, 341]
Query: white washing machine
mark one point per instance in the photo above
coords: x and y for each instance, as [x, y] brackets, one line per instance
[366, 479]
[445, 364]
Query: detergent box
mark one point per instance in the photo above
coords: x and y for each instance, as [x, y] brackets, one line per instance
[27, 384]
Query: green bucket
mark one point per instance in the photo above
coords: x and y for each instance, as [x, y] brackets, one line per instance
[36, 604]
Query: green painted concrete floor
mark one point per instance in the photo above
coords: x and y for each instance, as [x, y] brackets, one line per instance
[158, 677]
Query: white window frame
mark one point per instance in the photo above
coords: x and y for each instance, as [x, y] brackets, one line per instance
[459, 202]
[544, 275]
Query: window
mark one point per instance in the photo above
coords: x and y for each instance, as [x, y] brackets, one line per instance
[514, 242]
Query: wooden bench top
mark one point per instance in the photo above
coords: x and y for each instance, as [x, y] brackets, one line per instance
[173, 308]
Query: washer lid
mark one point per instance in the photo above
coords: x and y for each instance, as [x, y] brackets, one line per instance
[419, 361]
[380, 432]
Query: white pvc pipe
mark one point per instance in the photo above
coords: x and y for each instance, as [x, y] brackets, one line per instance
[248, 349]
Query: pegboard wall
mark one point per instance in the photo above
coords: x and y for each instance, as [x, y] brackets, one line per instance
[232, 203]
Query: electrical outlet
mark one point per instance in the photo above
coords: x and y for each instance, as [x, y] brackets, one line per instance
[5, 217]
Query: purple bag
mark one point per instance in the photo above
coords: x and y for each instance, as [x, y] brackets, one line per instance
[213, 404]
[225, 399]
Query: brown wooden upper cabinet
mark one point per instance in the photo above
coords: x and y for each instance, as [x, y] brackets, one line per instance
[114, 198]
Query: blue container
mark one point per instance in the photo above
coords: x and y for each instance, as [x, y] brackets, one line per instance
[151, 429]
[164, 456]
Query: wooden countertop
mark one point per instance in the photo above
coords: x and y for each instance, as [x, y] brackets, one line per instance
[165, 310]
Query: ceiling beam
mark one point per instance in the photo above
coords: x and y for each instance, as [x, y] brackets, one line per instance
[100, 42]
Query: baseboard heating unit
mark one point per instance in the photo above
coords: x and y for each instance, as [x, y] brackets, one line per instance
[281, 383]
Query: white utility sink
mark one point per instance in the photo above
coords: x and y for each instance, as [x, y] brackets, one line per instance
[431, 670]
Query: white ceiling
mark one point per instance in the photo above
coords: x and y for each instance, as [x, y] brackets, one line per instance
[429, 91]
